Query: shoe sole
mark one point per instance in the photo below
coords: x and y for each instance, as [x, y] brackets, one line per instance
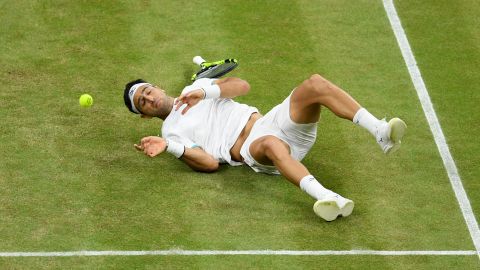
[397, 130]
[329, 210]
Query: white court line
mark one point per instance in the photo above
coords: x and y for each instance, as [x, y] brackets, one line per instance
[435, 127]
[179, 252]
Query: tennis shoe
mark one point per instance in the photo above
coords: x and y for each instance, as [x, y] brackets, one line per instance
[389, 135]
[333, 206]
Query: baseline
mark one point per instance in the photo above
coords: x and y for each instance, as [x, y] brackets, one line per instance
[180, 252]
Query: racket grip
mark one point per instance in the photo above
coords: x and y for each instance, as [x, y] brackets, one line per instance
[198, 60]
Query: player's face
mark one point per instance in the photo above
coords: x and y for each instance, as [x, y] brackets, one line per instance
[150, 100]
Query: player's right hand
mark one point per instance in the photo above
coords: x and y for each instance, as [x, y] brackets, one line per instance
[152, 145]
[190, 98]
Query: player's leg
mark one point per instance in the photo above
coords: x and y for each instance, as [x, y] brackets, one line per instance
[307, 99]
[269, 150]
[316, 91]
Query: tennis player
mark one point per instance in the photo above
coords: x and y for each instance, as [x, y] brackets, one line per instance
[204, 126]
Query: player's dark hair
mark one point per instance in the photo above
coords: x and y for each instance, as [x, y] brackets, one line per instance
[126, 98]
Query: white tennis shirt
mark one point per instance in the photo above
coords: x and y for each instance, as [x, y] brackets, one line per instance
[212, 124]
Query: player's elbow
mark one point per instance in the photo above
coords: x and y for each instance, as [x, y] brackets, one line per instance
[209, 166]
[212, 166]
[244, 86]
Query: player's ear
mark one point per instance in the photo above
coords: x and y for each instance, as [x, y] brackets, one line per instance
[145, 116]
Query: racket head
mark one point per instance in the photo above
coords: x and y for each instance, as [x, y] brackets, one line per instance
[215, 69]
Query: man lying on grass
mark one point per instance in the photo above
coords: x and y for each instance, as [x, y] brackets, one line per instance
[204, 127]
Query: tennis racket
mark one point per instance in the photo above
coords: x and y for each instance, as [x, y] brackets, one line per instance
[213, 69]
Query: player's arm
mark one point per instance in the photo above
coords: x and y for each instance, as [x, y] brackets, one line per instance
[232, 87]
[196, 158]
[221, 88]
[199, 160]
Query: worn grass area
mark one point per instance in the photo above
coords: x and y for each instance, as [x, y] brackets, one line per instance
[70, 178]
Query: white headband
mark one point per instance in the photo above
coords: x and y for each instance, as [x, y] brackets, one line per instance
[131, 94]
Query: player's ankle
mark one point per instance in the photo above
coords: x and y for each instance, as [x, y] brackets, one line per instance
[312, 187]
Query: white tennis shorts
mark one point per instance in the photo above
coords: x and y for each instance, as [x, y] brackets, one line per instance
[277, 122]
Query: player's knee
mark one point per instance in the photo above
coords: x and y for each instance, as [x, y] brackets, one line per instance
[274, 148]
[320, 85]
[317, 78]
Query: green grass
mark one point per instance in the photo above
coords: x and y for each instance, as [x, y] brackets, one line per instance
[248, 262]
[449, 59]
[70, 178]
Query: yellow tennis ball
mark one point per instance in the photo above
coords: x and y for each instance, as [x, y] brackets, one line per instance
[86, 100]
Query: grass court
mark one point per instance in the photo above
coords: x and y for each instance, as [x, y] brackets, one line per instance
[71, 180]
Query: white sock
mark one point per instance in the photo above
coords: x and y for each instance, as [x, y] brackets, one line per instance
[366, 120]
[313, 188]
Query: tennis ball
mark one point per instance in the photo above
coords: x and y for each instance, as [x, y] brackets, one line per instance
[85, 100]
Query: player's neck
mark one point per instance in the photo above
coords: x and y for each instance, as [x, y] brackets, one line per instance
[167, 108]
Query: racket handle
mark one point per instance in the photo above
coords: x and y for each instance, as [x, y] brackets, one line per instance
[198, 60]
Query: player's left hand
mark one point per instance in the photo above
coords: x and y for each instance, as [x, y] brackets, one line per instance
[190, 98]
[152, 145]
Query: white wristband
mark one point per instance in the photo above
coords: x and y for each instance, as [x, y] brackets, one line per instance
[174, 148]
[212, 91]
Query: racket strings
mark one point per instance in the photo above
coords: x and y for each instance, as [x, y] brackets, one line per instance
[215, 69]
